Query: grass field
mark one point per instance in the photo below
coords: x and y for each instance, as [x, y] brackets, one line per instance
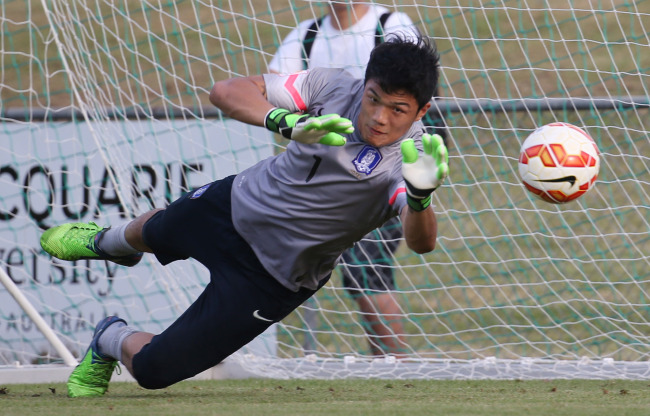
[341, 397]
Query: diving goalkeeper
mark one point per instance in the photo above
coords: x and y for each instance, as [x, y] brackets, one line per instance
[271, 235]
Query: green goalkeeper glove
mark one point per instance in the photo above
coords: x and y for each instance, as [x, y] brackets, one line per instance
[309, 129]
[425, 172]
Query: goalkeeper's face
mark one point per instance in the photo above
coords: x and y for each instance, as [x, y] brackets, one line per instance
[384, 118]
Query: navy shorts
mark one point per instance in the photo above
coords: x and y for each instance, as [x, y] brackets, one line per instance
[226, 316]
[367, 267]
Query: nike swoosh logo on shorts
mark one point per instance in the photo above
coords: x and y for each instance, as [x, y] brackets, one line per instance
[257, 315]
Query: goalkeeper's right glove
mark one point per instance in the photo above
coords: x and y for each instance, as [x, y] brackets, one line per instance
[309, 129]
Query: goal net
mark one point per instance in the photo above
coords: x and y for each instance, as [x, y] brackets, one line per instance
[105, 115]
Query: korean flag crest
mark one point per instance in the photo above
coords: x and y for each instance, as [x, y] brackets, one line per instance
[367, 160]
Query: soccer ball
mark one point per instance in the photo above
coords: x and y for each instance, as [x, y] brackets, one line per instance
[559, 162]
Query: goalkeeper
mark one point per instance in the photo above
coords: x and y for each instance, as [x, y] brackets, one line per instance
[271, 235]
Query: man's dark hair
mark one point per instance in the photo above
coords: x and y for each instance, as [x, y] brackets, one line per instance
[407, 65]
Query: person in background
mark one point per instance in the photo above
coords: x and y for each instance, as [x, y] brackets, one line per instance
[344, 38]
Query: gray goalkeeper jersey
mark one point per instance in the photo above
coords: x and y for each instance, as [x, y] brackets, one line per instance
[301, 209]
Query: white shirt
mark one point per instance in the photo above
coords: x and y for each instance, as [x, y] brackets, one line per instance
[332, 48]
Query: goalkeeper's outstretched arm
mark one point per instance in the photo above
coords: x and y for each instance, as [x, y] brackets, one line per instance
[420, 229]
[246, 100]
[242, 99]
[423, 173]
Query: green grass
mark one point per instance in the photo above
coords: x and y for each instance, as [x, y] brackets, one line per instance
[341, 397]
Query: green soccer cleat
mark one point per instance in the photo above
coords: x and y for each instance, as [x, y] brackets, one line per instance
[78, 241]
[90, 378]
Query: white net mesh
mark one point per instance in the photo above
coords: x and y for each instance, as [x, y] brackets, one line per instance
[105, 115]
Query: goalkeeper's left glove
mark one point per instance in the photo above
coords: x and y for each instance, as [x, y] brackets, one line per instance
[425, 172]
[309, 129]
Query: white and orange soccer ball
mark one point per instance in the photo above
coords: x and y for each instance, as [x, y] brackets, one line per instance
[559, 162]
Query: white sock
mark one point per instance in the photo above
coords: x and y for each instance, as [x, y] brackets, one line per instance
[113, 242]
[110, 342]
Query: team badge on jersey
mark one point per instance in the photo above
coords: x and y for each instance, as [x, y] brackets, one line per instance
[200, 191]
[367, 160]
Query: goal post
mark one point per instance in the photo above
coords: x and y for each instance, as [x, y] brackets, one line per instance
[32, 314]
[105, 115]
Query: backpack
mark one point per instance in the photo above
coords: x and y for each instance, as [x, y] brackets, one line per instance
[308, 41]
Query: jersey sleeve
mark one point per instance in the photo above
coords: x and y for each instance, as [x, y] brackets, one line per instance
[296, 91]
[287, 91]
[397, 197]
